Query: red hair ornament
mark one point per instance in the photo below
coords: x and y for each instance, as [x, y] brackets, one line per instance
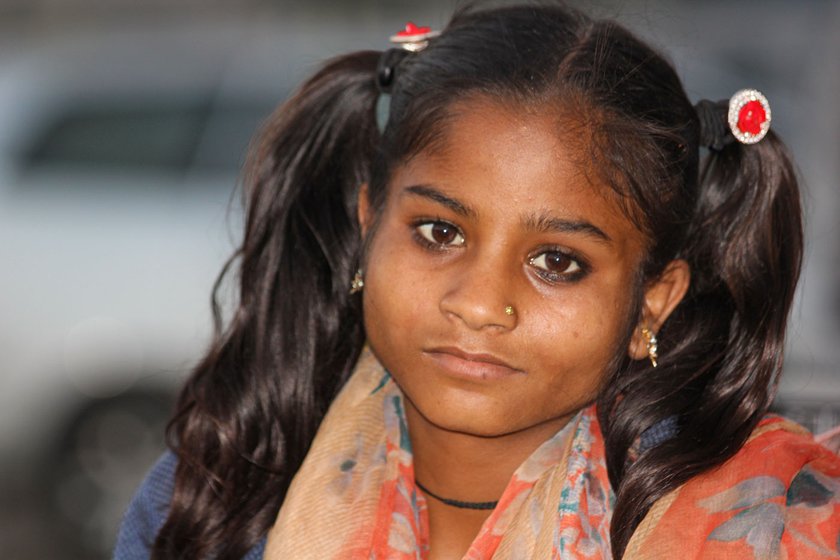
[414, 38]
[749, 116]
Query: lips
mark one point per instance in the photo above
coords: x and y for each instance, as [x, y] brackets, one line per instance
[471, 365]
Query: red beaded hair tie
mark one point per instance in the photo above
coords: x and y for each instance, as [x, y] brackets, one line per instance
[749, 116]
[414, 38]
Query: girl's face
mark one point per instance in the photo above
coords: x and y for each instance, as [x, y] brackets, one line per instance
[499, 216]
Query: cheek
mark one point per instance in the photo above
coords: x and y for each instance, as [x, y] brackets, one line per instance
[579, 331]
[397, 293]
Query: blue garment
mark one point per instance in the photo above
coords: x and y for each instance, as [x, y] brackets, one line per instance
[147, 512]
[658, 433]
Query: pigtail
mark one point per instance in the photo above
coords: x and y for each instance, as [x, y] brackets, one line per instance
[721, 351]
[745, 248]
[250, 410]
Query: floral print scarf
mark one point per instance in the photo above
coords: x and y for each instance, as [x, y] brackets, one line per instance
[355, 497]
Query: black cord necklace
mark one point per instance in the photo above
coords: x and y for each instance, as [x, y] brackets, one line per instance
[457, 503]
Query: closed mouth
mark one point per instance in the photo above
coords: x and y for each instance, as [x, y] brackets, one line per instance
[474, 357]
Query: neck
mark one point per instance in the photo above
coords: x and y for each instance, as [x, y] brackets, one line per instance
[470, 468]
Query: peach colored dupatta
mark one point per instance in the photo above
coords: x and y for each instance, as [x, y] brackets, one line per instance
[355, 497]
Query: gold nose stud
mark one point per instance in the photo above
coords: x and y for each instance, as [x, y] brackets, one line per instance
[509, 310]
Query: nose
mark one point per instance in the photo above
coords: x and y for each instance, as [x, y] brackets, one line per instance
[481, 295]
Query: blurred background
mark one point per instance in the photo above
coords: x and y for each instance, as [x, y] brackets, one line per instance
[122, 128]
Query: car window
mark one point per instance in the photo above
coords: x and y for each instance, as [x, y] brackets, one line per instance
[228, 133]
[155, 136]
[152, 136]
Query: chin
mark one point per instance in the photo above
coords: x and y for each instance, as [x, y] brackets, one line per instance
[483, 421]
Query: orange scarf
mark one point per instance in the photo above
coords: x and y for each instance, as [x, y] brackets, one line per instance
[355, 497]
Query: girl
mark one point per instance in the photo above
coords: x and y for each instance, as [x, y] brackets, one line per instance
[515, 316]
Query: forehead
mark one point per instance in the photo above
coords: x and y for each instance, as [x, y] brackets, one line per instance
[522, 159]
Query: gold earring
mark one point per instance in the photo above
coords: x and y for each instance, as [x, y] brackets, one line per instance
[358, 282]
[509, 310]
[651, 343]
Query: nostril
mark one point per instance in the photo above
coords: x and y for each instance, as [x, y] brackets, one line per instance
[477, 314]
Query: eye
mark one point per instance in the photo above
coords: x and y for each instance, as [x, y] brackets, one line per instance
[556, 266]
[440, 234]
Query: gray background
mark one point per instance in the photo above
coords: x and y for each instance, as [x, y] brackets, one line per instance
[122, 124]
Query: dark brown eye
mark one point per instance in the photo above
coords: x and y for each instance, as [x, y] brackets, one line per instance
[441, 233]
[556, 262]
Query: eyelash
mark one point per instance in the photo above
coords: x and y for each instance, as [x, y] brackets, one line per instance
[547, 275]
[558, 277]
[431, 244]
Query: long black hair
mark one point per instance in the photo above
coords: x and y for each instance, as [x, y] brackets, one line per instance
[249, 412]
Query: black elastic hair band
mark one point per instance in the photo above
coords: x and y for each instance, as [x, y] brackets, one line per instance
[387, 68]
[715, 133]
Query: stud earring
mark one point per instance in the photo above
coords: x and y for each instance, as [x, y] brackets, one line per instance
[651, 343]
[358, 282]
[509, 310]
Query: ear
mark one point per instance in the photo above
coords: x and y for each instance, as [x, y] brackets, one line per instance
[363, 209]
[661, 298]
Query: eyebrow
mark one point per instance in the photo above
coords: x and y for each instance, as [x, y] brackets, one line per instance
[544, 223]
[435, 195]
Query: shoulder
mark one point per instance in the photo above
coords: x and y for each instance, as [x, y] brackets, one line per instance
[147, 511]
[778, 495]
